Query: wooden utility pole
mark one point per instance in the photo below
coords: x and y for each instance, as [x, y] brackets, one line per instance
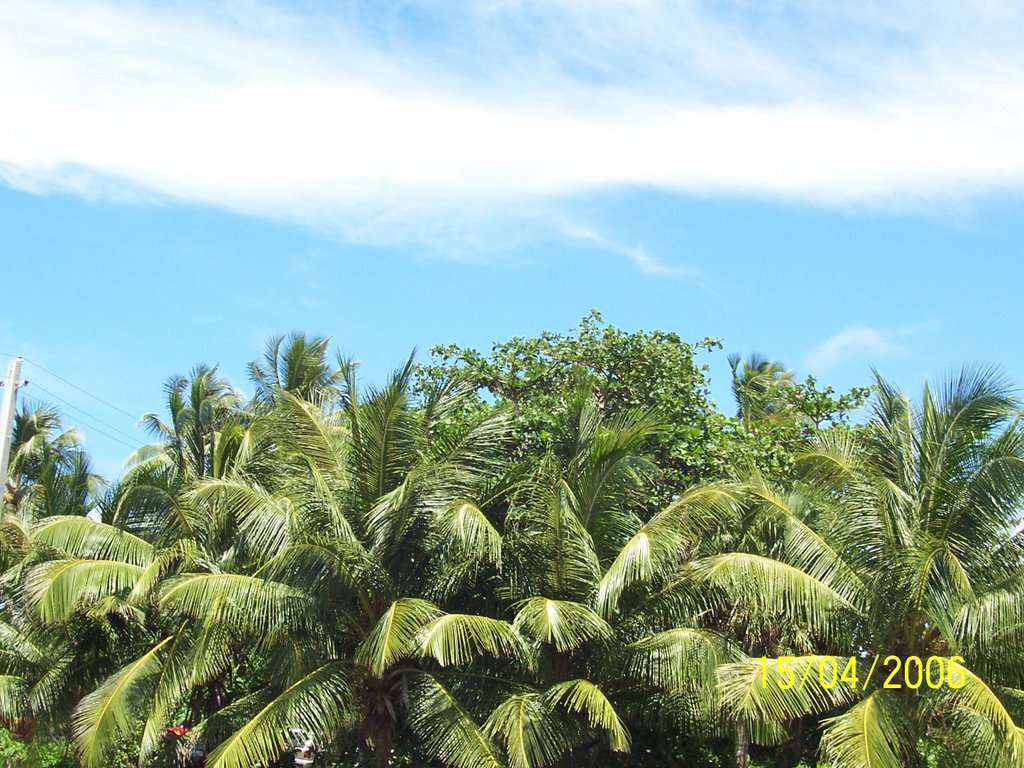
[10, 394]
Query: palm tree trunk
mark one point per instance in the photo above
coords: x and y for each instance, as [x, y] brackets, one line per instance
[739, 755]
[791, 754]
[382, 747]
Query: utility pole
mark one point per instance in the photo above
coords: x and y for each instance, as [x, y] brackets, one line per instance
[10, 393]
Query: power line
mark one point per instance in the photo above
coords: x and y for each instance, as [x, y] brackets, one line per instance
[97, 398]
[132, 445]
[138, 443]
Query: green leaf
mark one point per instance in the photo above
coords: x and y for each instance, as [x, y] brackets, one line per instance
[776, 587]
[247, 603]
[265, 520]
[872, 734]
[84, 538]
[456, 639]
[320, 704]
[393, 637]
[563, 623]
[58, 588]
[111, 710]
[446, 731]
[654, 550]
[466, 526]
[763, 690]
[531, 731]
[585, 697]
[13, 697]
[1002, 736]
[680, 659]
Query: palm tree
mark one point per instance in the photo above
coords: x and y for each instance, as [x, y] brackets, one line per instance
[567, 517]
[297, 365]
[200, 407]
[905, 545]
[49, 475]
[382, 571]
[205, 431]
[44, 669]
[307, 593]
[757, 384]
[601, 593]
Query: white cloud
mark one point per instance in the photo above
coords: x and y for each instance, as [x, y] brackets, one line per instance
[332, 122]
[852, 343]
[863, 341]
[636, 253]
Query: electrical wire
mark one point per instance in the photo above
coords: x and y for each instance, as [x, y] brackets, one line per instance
[137, 443]
[57, 376]
[80, 410]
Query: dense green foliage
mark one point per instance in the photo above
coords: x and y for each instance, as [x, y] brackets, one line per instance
[559, 552]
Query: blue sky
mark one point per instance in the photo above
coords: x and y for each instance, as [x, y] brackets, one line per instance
[837, 187]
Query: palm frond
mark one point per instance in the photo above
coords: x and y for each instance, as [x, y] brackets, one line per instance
[531, 732]
[386, 435]
[990, 620]
[394, 636]
[320, 703]
[196, 656]
[246, 603]
[457, 639]
[680, 659]
[181, 555]
[319, 438]
[874, 733]
[831, 459]
[983, 746]
[467, 528]
[447, 732]
[586, 698]
[18, 645]
[804, 547]
[783, 689]
[51, 687]
[660, 544]
[13, 697]
[58, 588]
[563, 623]
[265, 520]
[82, 537]
[776, 587]
[111, 710]
[970, 693]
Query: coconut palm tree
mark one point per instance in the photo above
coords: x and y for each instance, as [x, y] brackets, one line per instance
[44, 668]
[902, 546]
[205, 430]
[616, 644]
[298, 365]
[49, 472]
[52, 655]
[49, 475]
[757, 385]
[200, 406]
[308, 595]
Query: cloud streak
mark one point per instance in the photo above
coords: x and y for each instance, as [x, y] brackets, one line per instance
[863, 341]
[852, 343]
[347, 123]
[635, 253]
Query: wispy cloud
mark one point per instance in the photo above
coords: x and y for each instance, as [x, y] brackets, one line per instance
[861, 342]
[347, 121]
[636, 253]
[852, 343]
